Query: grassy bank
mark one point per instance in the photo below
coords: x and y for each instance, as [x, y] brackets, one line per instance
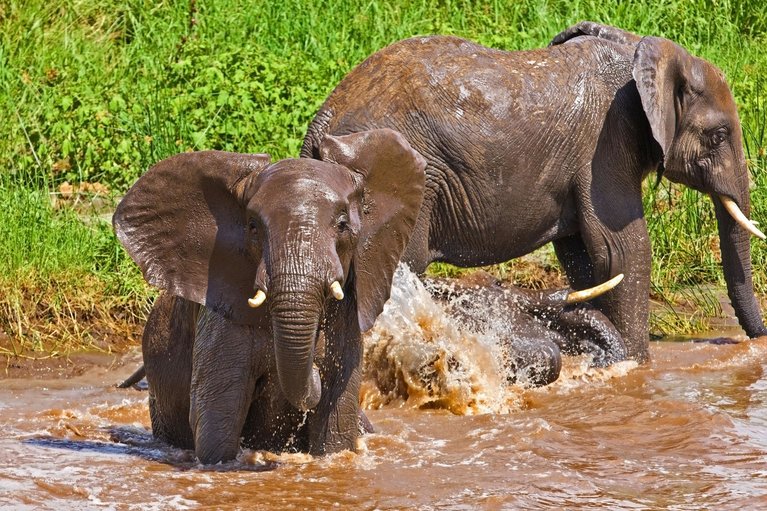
[93, 92]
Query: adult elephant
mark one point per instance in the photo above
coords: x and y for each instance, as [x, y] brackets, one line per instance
[314, 244]
[552, 144]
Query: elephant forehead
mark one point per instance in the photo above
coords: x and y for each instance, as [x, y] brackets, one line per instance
[712, 82]
[307, 178]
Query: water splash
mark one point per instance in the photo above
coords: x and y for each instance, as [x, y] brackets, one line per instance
[454, 353]
[420, 356]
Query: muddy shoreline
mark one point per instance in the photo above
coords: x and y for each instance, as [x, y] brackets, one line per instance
[46, 367]
[117, 343]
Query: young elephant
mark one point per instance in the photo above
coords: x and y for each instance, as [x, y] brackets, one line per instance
[271, 272]
[552, 145]
[533, 327]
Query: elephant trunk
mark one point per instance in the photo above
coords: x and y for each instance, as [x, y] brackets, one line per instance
[734, 242]
[296, 309]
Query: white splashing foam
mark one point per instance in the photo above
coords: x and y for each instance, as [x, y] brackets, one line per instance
[419, 354]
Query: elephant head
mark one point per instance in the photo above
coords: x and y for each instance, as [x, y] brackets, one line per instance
[694, 120]
[272, 245]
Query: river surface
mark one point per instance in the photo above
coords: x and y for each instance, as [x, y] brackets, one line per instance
[687, 431]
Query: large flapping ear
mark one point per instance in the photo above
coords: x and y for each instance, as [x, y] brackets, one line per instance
[664, 76]
[589, 28]
[183, 222]
[393, 178]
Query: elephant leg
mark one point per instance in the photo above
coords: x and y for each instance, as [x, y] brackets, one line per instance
[627, 306]
[586, 330]
[167, 350]
[574, 258]
[223, 383]
[614, 232]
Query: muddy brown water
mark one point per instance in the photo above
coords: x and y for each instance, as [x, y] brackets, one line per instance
[686, 431]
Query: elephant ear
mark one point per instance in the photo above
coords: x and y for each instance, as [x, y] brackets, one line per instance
[184, 223]
[393, 178]
[666, 75]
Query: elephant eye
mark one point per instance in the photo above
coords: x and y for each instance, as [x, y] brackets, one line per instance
[718, 137]
[342, 224]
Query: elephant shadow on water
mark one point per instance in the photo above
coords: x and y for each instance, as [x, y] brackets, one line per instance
[271, 272]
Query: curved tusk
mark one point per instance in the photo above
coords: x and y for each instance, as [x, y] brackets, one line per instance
[257, 300]
[739, 217]
[335, 288]
[593, 292]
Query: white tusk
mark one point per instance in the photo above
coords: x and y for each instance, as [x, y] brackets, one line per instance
[257, 300]
[335, 288]
[739, 217]
[593, 292]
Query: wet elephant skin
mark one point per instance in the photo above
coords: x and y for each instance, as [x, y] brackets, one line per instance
[271, 272]
[534, 326]
[552, 145]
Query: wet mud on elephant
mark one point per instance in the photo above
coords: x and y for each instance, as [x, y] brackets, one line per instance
[271, 272]
[552, 145]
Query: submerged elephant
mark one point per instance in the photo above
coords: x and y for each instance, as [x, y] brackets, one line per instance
[533, 327]
[552, 145]
[271, 273]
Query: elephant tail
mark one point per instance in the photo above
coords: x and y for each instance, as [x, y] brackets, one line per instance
[133, 379]
[317, 130]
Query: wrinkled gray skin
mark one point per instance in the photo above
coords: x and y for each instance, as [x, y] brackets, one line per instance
[552, 145]
[534, 327]
[211, 229]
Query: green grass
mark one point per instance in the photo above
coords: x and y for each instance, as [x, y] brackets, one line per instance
[97, 91]
[66, 283]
